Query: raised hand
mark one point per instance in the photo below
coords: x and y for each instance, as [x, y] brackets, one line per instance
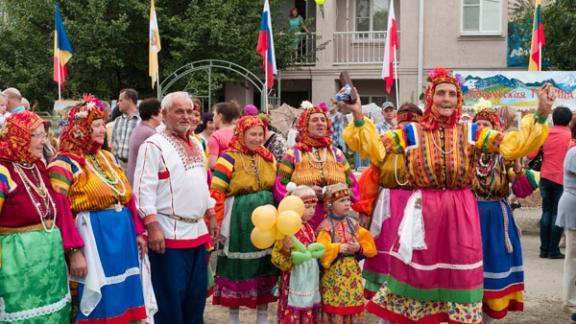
[546, 97]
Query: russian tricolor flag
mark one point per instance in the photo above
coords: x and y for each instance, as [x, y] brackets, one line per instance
[265, 46]
[62, 50]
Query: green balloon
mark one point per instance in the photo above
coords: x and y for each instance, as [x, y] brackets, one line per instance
[317, 250]
[300, 257]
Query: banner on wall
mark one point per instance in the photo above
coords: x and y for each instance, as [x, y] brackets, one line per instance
[518, 51]
[517, 89]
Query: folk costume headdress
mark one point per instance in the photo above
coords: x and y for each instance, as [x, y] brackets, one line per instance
[432, 118]
[305, 142]
[409, 113]
[238, 142]
[75, 138]
[490, 115]
[336, 191]
[16, 136]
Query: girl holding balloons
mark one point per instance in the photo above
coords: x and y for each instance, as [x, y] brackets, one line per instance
[243, 180]
[299, 293]
[345, 242]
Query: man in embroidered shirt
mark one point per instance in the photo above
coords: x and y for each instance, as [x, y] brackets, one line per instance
[173, 197]
[124, 125]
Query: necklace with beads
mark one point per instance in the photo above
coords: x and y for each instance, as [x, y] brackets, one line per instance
[485, 166]
[317, 160]
[113, 181]
[254, 167]
[44, 205]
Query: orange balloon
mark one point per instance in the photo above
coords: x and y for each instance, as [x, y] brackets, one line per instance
[264, 217]
[262, 239]
[289, 222]
[291, 203]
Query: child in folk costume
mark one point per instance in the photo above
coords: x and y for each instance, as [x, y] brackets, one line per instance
[345, 242]
[299, 295]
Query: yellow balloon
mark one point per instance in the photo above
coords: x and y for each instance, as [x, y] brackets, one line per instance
[289, 222]
[279, 235]
[320, 2]
[262, 239]
[264, 217]
[291, 203]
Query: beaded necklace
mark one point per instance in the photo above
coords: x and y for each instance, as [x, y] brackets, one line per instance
[44, 205]
[396, 173]
[255, 166]
[113, 181]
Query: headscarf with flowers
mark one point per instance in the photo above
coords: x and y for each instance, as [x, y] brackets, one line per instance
[490, 115]
[75, 138]
[242, 125]
[16, 136]
[432, 118]
[305, 142]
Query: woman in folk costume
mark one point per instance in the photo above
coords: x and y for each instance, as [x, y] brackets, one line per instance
[243, 180]
[502, 251]
[107, 268]
[436, 269]
[346, 243]
[314, 161]
[385, 192]
[35, 222]
[299, 287]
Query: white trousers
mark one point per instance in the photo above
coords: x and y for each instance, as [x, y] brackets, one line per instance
[569, 278]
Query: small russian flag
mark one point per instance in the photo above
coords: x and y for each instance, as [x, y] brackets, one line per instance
[265, 46]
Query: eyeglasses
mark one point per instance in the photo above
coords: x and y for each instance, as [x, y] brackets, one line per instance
[39, 136]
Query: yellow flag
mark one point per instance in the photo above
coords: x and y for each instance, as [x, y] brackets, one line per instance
[153, 45]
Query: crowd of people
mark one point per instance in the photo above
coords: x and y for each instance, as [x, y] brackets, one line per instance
[144, 216]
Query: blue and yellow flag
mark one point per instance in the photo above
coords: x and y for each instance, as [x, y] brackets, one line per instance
[62, 50]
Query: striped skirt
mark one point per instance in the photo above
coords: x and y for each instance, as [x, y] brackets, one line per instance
[503, 271]
[441, 281]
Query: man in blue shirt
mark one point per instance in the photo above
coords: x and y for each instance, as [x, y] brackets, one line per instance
[13, 100]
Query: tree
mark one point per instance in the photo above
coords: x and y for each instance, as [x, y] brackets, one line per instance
[110, 43]
[559, 24]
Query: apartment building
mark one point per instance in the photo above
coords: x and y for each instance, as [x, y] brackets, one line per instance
[456, 34]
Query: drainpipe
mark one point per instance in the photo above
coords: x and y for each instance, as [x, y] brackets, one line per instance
[420, 47]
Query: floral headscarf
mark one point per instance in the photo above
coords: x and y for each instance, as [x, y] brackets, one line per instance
[76, 136]
[237, 143]
[432, 118]
[490, 115]
[16, 136]
[305, 142]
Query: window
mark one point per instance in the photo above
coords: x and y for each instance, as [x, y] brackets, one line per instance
[371, 17]
[481, 17]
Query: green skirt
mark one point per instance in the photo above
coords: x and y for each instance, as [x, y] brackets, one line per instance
[245, 275]
[33, 281]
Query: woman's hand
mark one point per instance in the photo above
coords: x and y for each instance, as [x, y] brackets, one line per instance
[546, 98]
[142, 245]
[78, 265]
[156, 238]
[355, 108]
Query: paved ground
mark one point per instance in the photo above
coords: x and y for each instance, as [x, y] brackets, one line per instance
[543, 285]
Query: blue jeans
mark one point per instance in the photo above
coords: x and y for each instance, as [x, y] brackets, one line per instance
[550, 233]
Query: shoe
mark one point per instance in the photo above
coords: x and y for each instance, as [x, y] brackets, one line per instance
[573, 318]
[544, 255]
[556, 256]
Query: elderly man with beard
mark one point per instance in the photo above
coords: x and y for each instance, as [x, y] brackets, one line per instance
[436, 272]
[171, 188]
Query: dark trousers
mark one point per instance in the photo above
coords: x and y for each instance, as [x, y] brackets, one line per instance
[550, 233]
[180, 281]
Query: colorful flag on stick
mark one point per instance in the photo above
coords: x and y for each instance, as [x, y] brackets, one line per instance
[153, 45]
[265, 46]
[62, 50]
[538, 39]
[390, 47]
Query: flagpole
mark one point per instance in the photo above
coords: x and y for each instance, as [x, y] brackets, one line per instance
[396, 77]
[265, 108]
[59, 75]
[540, 57]
[158, 88]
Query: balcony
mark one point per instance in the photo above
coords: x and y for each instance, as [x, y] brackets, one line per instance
[305, 55]
[358, 47]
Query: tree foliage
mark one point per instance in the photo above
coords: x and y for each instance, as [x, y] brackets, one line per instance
[110, 43]
[559, 25]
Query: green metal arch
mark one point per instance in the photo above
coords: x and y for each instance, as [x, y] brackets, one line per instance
[209, 64]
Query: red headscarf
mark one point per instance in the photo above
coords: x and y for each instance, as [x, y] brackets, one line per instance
[237, 143]
[16, 136]
[305, 141]
[490, 115]
[75, 138]
[432, 118]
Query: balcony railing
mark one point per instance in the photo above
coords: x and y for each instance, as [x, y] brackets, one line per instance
[305, 52]
[359, 47]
